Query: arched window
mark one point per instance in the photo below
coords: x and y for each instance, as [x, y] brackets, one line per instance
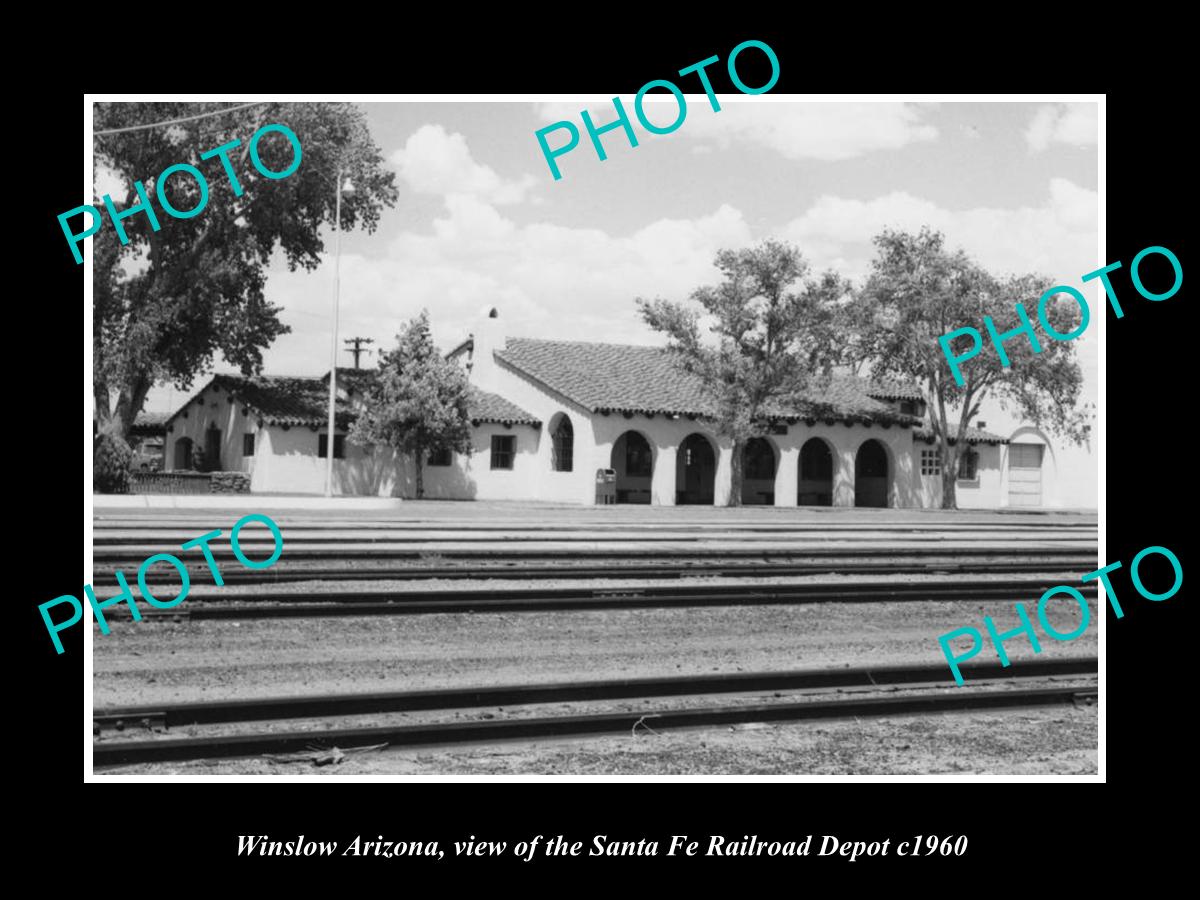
[562, 458]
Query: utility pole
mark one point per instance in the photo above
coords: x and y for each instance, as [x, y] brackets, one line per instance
[347, 188]
[357, 348]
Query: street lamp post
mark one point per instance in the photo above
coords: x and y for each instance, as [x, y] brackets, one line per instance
[337, 259]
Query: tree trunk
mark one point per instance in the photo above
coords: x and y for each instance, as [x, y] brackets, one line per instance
[949, 496]
[420, 474]
[129, 404]
[949, 475]
[736, 475]
[101, 401]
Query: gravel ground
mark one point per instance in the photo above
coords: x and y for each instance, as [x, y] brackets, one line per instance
[1059, 740]
[168, 661]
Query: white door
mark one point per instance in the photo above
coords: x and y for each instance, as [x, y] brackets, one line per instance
[1025, 474]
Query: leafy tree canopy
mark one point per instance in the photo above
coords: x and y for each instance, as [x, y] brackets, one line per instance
[417, 403]
[168, 301]
[772, 329]
[917, 291]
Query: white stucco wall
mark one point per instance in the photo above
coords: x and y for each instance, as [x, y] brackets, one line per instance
[212, 406]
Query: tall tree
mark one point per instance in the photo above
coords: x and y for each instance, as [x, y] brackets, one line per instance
[918, 291]
[169, 300]
[772, 330]
[417, 403]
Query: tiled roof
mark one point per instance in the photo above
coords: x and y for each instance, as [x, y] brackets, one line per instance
[974, 436]
[485, 407]
[297, 401]
[628, 378]
[148, 424]
[282, 399]
[889, 389]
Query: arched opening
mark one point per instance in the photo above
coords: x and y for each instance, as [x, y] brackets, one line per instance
[816, 474]
[633, 461]
[183, 454]
[871, 482]
[758, 472]
[695, 471]
[1030, 468]
[562, 450]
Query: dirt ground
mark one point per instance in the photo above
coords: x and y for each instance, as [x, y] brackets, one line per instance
[1059, 740]
[168, 661]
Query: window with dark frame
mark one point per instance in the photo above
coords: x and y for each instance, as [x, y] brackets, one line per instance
[563, 449]
[968, 466]
[439, 458]
[503, 450]
[931, 462]
[247, 445]
[339, 446]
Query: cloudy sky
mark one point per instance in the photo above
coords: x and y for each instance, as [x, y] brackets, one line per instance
[481, 221]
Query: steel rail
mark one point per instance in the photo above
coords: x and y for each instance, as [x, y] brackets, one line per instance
[749, 551]
[707, 568]
[490, 730]
[279, 604]
[174, 715]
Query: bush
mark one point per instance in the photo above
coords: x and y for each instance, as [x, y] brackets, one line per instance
[111, 462]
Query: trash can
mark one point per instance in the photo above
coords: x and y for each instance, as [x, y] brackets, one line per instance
[606, 486]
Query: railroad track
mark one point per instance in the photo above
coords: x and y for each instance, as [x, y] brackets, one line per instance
[292, 604]
[705, 568]
[980, 695]
[130, 556]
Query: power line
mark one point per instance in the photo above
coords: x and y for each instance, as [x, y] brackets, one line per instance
[215, 112]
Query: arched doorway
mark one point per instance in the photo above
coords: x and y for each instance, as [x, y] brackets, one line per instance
[816, 474]
[633, 461]
[695, 471]
[758, 473]
[183, 454]
[871, 482]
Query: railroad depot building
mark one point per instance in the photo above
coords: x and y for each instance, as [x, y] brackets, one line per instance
[546, 415]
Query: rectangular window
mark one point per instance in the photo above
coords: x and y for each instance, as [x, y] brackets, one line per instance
[339, 446]
[440, 458]
[503, 449]
[247, 445]
[1024, 456]
[968, 466]
[931, 462]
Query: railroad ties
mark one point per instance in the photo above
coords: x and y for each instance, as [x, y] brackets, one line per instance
[489, 559]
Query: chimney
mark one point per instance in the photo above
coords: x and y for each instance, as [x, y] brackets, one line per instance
[488, 337]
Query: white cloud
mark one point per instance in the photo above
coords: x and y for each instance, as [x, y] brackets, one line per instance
[1066, 123]
[548, 280]
[825, 131]
[1057, 239]
[434, 161]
